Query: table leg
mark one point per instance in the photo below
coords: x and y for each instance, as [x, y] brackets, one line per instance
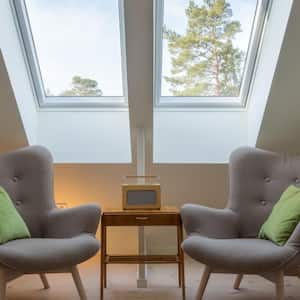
[103, 265]
[105, 276]
[181, 255]
[178, 253]
[142, 268]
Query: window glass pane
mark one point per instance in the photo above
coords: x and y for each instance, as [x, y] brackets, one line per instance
[205, 45]
[78, 46]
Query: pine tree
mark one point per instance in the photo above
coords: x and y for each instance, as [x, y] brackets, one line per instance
[83, 87]
[204, 60]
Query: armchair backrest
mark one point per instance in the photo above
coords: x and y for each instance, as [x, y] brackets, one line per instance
[27, 176]
[257, 180]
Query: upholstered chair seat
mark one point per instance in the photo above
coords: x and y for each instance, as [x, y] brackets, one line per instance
[247, 256]
[60, 238]
[42, 255]
[226, 240]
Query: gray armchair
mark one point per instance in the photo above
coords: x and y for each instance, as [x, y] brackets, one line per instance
[225, 241]
[61, 239]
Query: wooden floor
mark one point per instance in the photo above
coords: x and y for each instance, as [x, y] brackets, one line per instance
[162, 283]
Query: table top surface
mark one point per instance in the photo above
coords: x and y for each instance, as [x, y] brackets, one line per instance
[120, 211]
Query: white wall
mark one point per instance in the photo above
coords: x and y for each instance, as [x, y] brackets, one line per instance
[86, 136]
[199, 136]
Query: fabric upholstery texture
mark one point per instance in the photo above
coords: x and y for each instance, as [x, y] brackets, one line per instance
[227, 239]
[60, 238]
[250, 256]
[12, 225]
[41, 254]
[27, 176]
[284, 218]
[63, 223]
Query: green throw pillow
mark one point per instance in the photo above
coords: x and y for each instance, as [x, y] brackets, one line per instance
[284, 218]
[12, 226]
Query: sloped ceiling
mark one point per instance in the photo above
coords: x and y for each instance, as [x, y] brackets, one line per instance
[12, 134]
[139, 50]
[280, 129]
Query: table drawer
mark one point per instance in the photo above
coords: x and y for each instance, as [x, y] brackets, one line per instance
[141, 220]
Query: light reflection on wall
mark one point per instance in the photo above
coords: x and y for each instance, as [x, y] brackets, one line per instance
[78, 184]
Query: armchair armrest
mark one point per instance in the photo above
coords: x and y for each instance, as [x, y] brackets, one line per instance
[66, 223]
[209, 222]
[294, 240]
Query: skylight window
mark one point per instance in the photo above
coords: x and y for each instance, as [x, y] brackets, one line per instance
[206, 51]
[75, 51]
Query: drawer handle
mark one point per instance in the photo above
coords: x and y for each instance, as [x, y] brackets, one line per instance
[142, 218]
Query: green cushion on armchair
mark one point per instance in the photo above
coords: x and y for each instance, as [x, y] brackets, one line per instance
[284, 218]
[12, 226]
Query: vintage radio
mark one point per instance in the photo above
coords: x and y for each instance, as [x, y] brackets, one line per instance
[141, 192]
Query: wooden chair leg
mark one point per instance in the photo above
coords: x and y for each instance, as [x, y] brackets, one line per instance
[2, 284]
[203, 283]
[280, 286]
[238, 281]
[45, 281]
[78, 283]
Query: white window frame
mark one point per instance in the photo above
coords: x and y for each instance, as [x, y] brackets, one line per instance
[182, 102]
[27, 41]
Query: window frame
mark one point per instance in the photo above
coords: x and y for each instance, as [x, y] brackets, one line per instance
[210, 102]
[27, 40]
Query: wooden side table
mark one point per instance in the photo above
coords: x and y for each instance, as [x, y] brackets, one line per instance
[163, 217]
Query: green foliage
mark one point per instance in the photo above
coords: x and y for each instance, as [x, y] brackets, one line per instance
[48, 92]
[83, 87]
[204, 59]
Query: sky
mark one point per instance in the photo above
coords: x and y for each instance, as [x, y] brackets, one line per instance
[77, 37]
[82, 37]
